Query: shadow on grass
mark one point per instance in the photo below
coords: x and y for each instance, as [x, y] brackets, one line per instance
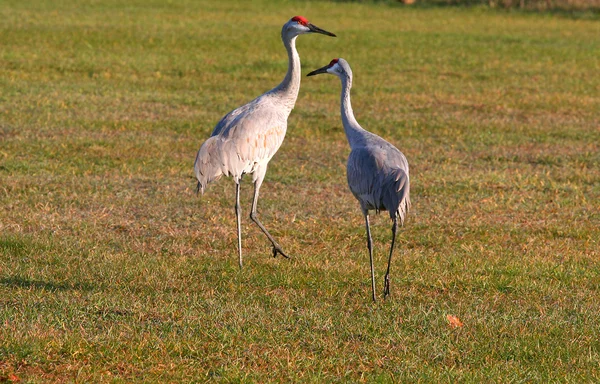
[19, 282]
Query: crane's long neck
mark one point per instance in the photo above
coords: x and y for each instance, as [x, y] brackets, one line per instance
[354, 132]
[287, 91]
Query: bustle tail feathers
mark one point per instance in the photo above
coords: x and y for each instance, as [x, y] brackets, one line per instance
[207, 166]
[398, 197]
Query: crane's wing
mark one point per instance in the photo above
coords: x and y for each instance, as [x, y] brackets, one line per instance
[229, 119]
[362, 171]
[256, 133]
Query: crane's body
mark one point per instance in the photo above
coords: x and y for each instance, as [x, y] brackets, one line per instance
[377, 172]
[245, 140]
[378, 176]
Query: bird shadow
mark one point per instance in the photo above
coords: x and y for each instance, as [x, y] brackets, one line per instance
[20, 282]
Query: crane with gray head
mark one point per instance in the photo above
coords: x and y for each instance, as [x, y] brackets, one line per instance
[377, 171]
[245, 140]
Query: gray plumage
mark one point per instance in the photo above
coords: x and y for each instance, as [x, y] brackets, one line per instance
[377, 172]
[245, 140]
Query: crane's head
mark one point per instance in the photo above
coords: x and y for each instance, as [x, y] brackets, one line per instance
[299, 25]
[338, 67]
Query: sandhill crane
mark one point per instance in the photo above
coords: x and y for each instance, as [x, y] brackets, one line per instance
[247, 138]
[377, 171]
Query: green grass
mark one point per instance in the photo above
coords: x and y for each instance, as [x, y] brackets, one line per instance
[113, 270]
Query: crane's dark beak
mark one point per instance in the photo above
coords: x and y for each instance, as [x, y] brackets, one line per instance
[319, 71]
[315, 29]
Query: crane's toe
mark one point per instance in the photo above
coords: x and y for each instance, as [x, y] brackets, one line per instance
[278, 250]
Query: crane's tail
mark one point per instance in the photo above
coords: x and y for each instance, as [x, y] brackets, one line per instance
[399, 196]
[207, 166]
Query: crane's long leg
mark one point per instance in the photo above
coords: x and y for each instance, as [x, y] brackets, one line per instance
[238, 215]
[370, 246]
[253, 216]
[386, 288]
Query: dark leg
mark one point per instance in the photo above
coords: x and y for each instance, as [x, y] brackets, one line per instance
[238, 215]
[253, 216]
[370, 246]
[386, 288]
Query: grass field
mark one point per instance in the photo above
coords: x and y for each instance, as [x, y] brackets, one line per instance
[113, 270]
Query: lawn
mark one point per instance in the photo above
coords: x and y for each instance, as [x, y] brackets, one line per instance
[112, 269]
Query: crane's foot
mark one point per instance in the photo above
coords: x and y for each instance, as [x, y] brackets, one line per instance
[277, 250]
[386, 287]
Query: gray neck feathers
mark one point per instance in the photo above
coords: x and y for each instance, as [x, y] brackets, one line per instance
[287, 91]
[354, 132]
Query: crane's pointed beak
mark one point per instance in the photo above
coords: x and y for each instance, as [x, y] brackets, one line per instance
[319, 71]
[315, 29]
